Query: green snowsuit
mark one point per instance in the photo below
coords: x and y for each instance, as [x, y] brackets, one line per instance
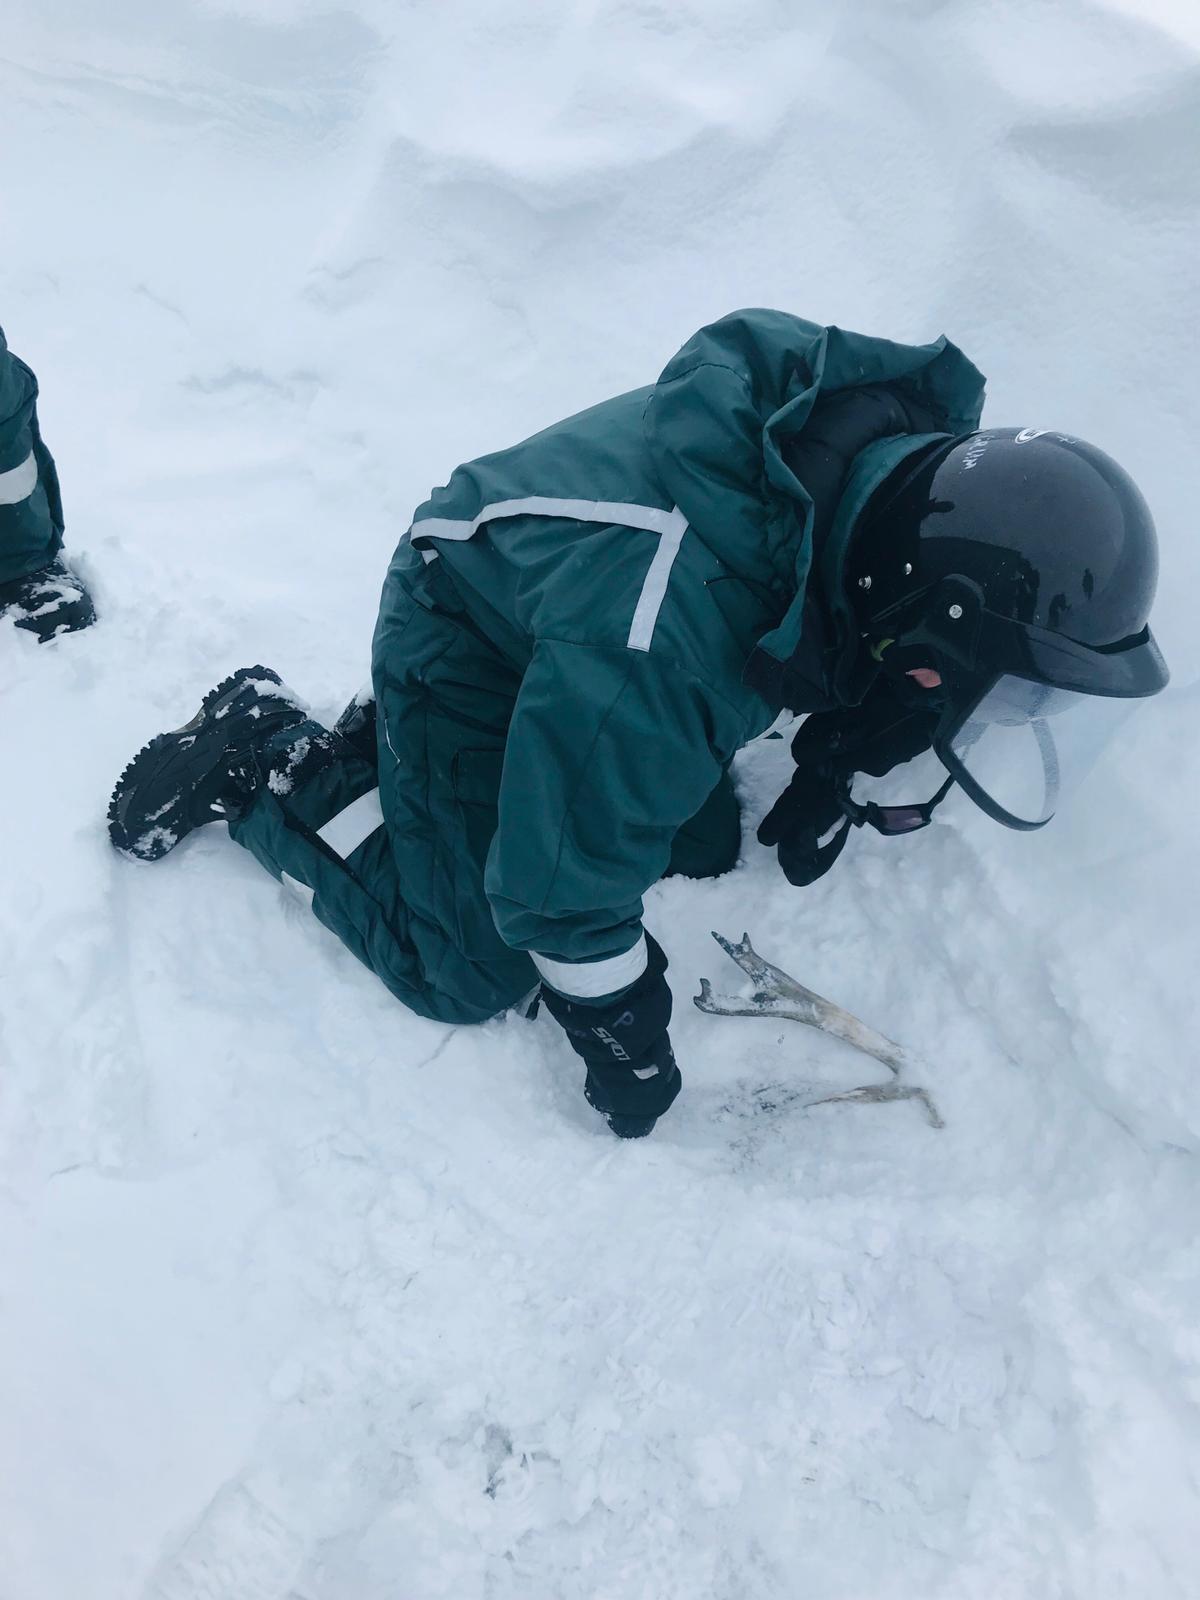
[559, 668]
[30, 507]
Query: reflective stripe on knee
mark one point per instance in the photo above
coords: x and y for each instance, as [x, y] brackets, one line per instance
[353, 825]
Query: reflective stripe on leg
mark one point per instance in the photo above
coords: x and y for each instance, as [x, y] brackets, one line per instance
[590, 980]
[353, 825]
[300, 890]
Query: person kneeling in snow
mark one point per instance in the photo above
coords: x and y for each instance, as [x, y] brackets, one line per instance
[578, 634]
[38, 591]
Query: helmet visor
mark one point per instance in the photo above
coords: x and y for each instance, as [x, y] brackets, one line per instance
[1022, 746]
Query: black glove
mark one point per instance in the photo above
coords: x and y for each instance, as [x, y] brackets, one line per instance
[631, 1073]
[800, 819]
[889, 728]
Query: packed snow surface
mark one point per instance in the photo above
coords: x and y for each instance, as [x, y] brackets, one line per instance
[302, 1298]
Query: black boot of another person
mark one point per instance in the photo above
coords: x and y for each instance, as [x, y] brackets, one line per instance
[48, 602]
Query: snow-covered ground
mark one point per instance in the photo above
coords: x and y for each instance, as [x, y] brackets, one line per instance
[302, 1298]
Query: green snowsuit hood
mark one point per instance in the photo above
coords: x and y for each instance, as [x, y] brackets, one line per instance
[720, 416]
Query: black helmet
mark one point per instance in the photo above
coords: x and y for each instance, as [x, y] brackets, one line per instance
[1021, 564]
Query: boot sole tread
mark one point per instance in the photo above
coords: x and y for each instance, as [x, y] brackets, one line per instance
[163, 840]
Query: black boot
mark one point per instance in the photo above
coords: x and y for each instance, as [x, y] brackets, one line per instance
[209, 769]
[48, 602]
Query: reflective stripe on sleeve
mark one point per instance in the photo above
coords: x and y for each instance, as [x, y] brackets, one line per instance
[651, 519]
[669, 525]
[588, 980]
[641, 629]
[20, 483]
[353, 825]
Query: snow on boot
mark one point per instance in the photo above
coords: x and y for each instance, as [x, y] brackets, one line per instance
[207, 770]
[48, 602]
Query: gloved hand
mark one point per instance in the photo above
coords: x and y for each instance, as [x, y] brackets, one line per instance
[631, 1073]
[800, 819]
[889, 728]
